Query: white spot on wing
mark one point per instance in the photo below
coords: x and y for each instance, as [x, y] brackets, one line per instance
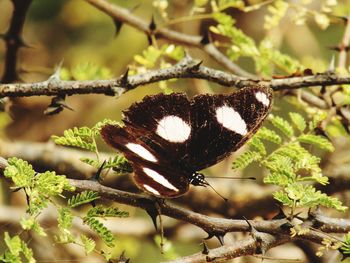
[151, 189]
[261, 96]
[230, 119]
[141, 151]
[160, 179]
[173, 129]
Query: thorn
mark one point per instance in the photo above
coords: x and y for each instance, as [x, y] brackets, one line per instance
[97, 176]
[122, 258]
[205, 38]
[331, 66]
[118, 25]
[196, 66]
[220, 238]
[153, 213]
[152, 26]
[124, 79]
[56, 75]
[257, 238]
[205, 250]
[149, 40]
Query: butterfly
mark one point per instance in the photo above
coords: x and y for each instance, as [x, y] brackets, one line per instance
[168, 138]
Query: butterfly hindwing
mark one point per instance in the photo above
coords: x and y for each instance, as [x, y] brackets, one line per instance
[151, 172]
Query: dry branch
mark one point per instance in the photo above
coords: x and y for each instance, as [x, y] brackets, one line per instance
[187, 68]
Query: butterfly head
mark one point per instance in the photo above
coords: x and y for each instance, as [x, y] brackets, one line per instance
[198, 179]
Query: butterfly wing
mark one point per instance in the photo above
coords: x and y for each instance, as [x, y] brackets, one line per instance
[165, 123]
[152, 173]
[223, 123]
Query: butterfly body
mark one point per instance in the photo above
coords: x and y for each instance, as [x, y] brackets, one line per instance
[169, 138]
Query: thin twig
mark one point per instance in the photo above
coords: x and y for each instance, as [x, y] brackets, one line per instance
[125, 16]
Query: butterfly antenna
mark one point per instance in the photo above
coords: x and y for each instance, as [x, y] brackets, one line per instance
[226, 177]
[225, 199]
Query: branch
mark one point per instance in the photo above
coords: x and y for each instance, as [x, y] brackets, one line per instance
[186, 68]
[13, 39]
[125, 16]
[247, 246]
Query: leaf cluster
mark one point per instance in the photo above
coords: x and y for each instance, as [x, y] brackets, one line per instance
[15, 248]
[290, 164]
[85, 138]
[40, 188]
[263, 55]
[91, 218]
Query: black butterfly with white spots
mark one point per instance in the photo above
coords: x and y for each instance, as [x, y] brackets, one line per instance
[168, 139]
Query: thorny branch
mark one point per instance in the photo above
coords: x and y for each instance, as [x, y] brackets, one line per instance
[266, 233]
[63, 160]
[186, 68]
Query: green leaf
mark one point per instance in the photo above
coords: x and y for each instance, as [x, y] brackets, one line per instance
[282, 125]
[90, 71]
[21, 173]
[31, 224]
[149, 57]
[83, 198]
[245, 159]
[28, 253]
[268, 135]
[100, 211]
[13, 244]
[65, 218]
[345, 248]
[317, 141]
[298, 121]
[119, 164]
[89, 243]
[270, 57]
[276, 12]
[283, 198]
[256, 143]
[82, 137]
[92, 162]
[50, 184]
[241, 44]
[101, 230]
[98, 126]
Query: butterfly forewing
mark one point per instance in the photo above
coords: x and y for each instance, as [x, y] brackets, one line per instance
[223, 123]
[163, 122]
